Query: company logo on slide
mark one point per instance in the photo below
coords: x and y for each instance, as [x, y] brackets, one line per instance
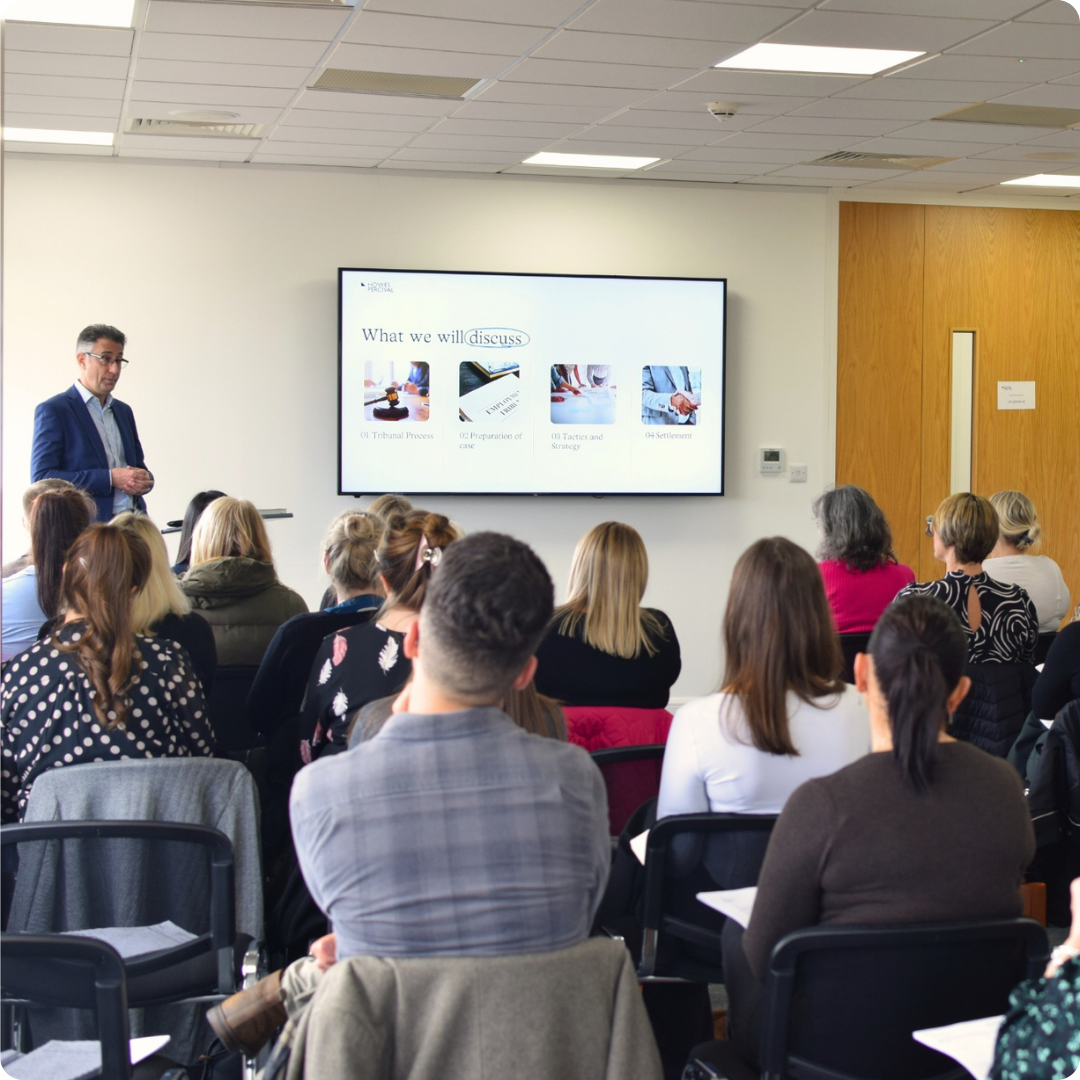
[376, 286]
[494, 337]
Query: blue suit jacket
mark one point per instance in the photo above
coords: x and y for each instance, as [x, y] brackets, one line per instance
[67, 445]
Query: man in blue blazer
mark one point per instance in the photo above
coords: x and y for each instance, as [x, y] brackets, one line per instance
[86, 436]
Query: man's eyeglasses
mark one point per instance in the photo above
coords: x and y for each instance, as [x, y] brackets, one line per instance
[108, 361]
[930, 525]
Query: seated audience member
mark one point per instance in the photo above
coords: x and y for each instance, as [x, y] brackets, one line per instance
[349, 551]
[50, 483]
[385, 507]
[232, 582]
[924, 829]
[366, 662]
[602, 647]
[1059, 681]
[95, 691]
[999, 619]
[160, 609]
[199, 502]
[453, 832]
[31, 597]
[783, 714]
[1040, 1035]
[1013, 563]
[860, 571]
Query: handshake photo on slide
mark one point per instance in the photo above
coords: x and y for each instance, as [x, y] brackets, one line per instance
[670, 394]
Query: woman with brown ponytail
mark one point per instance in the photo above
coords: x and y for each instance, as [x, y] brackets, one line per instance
[94, 690]
[365, 662]
[923, 829]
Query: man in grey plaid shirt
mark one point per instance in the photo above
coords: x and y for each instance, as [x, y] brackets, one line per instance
[452, 832]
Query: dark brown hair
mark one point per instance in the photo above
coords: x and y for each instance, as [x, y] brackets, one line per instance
[535, 713]
[56, 519]
[411, 538]
[779, 636]
[105, 564]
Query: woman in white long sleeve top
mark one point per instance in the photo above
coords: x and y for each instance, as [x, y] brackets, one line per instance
[782, 716]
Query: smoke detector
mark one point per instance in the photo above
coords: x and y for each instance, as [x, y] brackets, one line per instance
[722, 110]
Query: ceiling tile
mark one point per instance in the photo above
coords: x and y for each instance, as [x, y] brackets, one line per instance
[823, 144]
[61, 122]
[453, 35]
[776, 84]
[79, 40]
[325, 150]
[482, 157]
[556, 94]
[929, 147]
[685, 19]
[931, 90]
[1022, 152]
[988, 69]
[756, 166]
[481, 109]
[418, 61]
[1003, 169]
[61, 106]
[480, 142]
[703, 168]
[759, 104]
[700, 120]
[669, 136]
[739, 155]
[547, 13]
[872, 31]
[42, 63]
[595, 142]
[231, 50]
[388, 104]
[246, 20]
[182, 155]
[164, 110]
[1052, 12]
[579, 73]
[317, 118]
[562, 172]
[315, 162]
[1028, 40]
[661, 175]
[61, 86]
[440, 166]
[1054, 96]
[928, 186]
[173, 71]
[959, 9]
[1067, 140]
[966, 181]
[798, 182]
[876, 110]
[528, 129]
[960, 132]
[226, 97]
[810, 125]
[827, 174]
[57, 148]
[206, 145]
[634, 49]
[340, 136]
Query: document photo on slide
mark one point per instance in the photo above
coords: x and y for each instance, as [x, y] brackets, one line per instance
[583, 393]
[488, 394]
[670, 394]
[395, 391]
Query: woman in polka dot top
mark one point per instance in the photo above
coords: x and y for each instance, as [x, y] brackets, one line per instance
[95, 691]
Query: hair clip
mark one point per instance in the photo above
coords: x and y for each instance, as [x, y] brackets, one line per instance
[425, 553]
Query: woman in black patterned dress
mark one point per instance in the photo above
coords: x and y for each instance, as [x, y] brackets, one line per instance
[362, 663]
[1000, 619]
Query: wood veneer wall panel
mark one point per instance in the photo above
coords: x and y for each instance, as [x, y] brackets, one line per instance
[879, 362]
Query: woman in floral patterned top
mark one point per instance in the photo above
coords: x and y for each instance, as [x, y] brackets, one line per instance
[362, 663]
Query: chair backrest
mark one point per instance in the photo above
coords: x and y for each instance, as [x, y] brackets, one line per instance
[597, 727]
[842, 1002]
[850, 646]
[1042, 646]
[685, 837]
[993, 712]
[631, 776]
[78, 973]
[227, 702]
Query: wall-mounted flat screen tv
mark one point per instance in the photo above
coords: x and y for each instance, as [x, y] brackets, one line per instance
[467, 383]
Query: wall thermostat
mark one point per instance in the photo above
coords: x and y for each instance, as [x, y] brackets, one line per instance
[769, 460]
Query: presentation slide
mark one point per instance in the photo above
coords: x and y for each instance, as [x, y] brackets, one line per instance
[464, 383]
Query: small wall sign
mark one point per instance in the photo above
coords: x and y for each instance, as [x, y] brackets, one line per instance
[1016, 395]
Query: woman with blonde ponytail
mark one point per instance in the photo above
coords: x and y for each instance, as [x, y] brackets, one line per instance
[365, 662]
[924, 829]
[96, 691]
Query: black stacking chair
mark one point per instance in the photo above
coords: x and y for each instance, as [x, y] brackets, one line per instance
[631, 775]
[841, 1002]
[227, 702]
[850, 645]
[1042, 646]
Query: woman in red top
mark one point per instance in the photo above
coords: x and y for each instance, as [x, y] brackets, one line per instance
[860, 571]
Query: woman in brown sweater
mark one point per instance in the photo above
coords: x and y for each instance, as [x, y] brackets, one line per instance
[923, 829]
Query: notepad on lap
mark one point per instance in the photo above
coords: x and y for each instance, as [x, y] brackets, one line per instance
[971, 1043]
[736, 904]
[74, 1060]
[132, 941]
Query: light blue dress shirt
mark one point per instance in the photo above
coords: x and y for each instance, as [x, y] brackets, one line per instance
[22, 615]
[107, 428]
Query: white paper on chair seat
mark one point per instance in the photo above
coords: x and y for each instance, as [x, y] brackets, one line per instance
[637, 846]
[971, 1043]
[133, 941]
[736, 904]
[74, 1060]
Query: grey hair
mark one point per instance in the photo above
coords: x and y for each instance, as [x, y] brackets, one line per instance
[853, 528]
[90, 336]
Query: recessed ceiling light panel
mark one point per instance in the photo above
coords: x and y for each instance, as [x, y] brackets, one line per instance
[72, 12]
[48, 135]
[817, 59]
[590, 161]
[1046, 180]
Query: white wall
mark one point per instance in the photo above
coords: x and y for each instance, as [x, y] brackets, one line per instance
[224, 280]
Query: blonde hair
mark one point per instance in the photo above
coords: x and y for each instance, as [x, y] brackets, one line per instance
[967, 523]
[161, 594]
[608, 576]
[388, 506]
[349, 548]
[230, 528]
[1017, 521]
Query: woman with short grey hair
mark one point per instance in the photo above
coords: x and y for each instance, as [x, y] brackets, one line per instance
[862, 575]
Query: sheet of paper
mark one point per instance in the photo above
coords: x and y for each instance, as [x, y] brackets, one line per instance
[132, 941]
[637, 846]
[971, 1043]
[736, 904]
[74, 1060]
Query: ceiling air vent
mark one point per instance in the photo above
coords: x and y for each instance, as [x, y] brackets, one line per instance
[1024, 115]
[853, 160]
[198, 129]
[388, 82]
